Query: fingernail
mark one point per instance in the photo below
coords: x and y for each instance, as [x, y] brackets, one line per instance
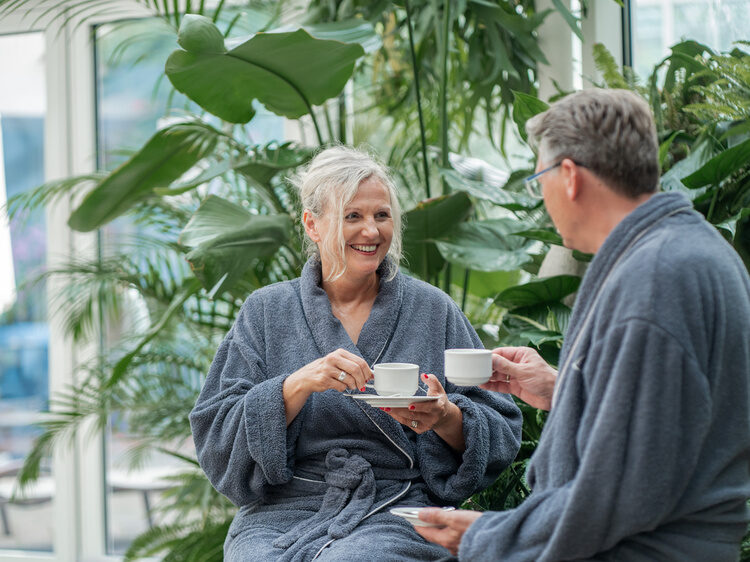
[362, 389]
[425, 375]
[387, 409]
[412, 407]
[381, 408]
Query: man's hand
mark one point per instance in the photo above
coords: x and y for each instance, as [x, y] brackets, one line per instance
[453, 525]
[522, 371]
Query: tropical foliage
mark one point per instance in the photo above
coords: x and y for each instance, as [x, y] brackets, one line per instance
[218, 216]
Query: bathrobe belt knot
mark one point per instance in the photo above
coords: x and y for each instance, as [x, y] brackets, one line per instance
[348, 499]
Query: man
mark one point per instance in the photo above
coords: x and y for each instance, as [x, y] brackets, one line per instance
[646, 450]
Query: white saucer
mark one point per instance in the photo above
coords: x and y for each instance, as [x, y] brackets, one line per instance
[390, 401]
[411, 514]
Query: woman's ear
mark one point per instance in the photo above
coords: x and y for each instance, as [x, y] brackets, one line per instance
[308, 219]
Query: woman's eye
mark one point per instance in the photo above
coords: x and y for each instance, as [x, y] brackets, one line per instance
[351, 216]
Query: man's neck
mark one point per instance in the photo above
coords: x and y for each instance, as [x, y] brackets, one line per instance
[607, 209]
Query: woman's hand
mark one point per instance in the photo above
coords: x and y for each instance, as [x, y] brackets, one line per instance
[522, 371]
[441, 416]
[339, 370]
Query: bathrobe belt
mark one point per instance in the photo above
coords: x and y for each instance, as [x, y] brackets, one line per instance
[348, 500]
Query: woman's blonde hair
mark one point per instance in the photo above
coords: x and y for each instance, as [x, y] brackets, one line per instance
[327, 185]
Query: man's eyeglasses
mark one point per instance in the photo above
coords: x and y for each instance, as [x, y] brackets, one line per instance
[534, 186]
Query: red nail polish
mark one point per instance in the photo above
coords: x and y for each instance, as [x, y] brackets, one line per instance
[425, 375]
[387, 409]
[412, 407]
[362, 389]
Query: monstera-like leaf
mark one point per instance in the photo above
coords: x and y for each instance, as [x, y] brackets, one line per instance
[288, 72]
[426, 222]
[225, 239]
[167, 155]
[486, 245]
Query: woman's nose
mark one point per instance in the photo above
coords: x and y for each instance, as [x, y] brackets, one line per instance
[370, 228]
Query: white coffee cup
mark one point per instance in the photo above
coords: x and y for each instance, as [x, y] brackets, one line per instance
[396, 378]
[468, 367]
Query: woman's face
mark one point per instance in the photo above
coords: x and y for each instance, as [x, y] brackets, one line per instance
[367, 229]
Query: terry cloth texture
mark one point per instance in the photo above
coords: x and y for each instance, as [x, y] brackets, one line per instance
[646, 451]
[324, 483]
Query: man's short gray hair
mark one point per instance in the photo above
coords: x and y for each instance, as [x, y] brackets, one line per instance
[610, 132]
[328, 184]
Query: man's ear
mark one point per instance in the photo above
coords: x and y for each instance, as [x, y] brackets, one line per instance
[572, 178]
[308, 219]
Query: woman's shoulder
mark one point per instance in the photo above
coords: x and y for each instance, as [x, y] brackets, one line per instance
[423, 291]
[273, 294]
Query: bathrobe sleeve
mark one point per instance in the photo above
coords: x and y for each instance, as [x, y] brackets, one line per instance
[491, 428]
[646, 417]
[239, 420]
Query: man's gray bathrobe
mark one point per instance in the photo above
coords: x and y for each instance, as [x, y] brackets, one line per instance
[646, 451]
[325, 484]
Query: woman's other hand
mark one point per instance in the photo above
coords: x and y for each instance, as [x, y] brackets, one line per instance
[452, 526]
[339, 370]
[521, 371]
[441, 416]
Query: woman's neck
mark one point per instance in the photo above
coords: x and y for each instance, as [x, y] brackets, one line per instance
[348, 291]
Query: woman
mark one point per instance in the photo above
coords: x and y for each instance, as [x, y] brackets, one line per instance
[314, 471]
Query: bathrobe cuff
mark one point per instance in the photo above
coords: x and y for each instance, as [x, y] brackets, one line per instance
[451, 475]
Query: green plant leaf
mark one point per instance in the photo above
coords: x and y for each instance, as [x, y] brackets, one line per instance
[226, 238]
[720, 166]
[165, 157]
[424, 224]
[525, 107]
[543, 235]
[487, 192]
[288, 72]
[485, 245]
[572, 21]
[701, 152]
[548, 290]
[609, 68]
[665, 146]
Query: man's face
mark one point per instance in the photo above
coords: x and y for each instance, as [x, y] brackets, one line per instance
[556, 200]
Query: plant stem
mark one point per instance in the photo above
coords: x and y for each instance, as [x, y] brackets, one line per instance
[713, 204]
[342, 117]
[467, 273]
[443, 103]
[423, 138]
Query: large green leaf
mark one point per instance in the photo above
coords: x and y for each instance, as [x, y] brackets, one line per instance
[720, 166]
[486, 245]
[701, 153]
[548, 290]
[288, 72]
[426, 222]
[165, 157]
[524, 108]
[226, 238]
[481, 190]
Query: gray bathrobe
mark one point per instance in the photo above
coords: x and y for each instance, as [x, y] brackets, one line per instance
[646, 451]
[323, 486]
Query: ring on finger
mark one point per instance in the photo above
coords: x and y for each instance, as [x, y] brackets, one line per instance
[342, 376]
[414, 424]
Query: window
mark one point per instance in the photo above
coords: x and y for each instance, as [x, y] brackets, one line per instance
[26, 521]
[659, 24]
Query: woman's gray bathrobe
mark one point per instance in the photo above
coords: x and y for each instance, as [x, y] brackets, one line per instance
[325, 483]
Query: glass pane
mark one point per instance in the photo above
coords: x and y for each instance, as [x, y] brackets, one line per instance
[659, 24]
[26, 521]
[133, 100]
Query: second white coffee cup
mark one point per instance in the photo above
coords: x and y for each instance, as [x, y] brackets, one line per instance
[396, 378]
[468, 367]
